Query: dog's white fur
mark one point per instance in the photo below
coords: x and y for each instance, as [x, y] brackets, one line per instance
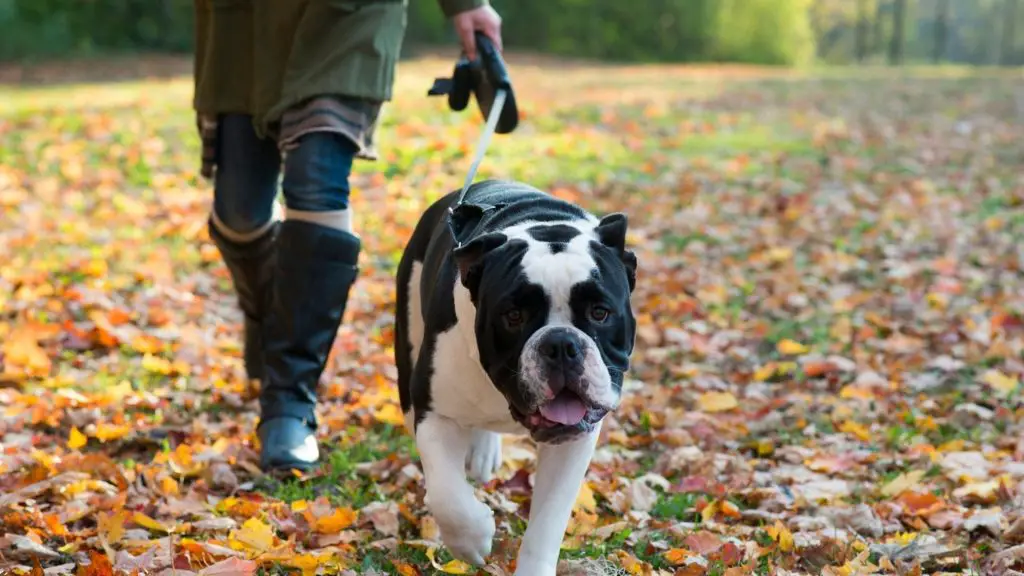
[469, 414]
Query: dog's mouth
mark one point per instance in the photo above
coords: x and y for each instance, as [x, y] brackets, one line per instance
[564, 415]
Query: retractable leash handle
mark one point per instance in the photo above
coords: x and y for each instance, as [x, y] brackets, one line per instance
[483, 79]
[487, 79]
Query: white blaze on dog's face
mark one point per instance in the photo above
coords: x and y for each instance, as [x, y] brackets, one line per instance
[554, 325]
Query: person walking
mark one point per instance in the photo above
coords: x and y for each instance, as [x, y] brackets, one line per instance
[296, 87]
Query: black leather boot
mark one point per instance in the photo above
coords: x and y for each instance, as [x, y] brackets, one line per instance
[251, 265]
[315, 268]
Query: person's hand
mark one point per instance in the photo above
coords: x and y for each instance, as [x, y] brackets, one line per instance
[484, 19]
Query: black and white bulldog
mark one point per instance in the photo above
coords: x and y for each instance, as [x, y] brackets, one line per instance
[513, 316]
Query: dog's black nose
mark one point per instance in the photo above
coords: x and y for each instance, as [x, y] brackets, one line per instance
[560, 346]
[562, 352]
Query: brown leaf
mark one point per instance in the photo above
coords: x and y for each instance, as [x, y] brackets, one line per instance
[703, 542]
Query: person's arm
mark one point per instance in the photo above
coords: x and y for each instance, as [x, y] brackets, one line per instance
[470, 16]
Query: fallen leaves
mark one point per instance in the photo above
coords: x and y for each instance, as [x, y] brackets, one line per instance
[254, 537]
[717, 401]
[826, 379]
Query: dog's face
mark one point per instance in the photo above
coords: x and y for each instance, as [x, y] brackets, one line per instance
[554, 325]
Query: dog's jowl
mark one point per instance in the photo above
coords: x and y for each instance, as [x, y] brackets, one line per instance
[513, 316]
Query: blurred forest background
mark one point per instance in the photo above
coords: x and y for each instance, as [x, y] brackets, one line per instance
[782, 32]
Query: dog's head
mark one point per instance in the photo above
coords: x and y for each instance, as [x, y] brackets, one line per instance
[554, 325]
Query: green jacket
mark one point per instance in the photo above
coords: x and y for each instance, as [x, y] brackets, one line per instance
[260, 57]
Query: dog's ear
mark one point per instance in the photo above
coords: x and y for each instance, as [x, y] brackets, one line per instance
[469, 256]
[465, 217]
[611, 231]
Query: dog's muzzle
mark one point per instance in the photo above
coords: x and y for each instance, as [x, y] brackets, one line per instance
[565, 385]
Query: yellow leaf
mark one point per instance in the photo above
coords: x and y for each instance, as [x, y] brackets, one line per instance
[169, 486]
[709, 511]
[254, 535]
[984, 492]
[952, 446]
[147, 522]
[299, 505]
[937, 301]
[858, 430]
[791, 347]
[779, 254]
[676, 556]
[339, 520]
[902, 483]
[717, 401]
[902, 538]
[585, 499]
[779, 533]
[632, 564]
[1000, 382]
[852, 392]
[105, 432]
[157, 365]
[765, 372]
[453, 567]
[305, 562]
[110, 527]
[785, 540]
[389, 414]
[76, 439]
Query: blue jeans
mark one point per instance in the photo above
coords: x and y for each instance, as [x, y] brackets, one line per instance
[245, 186]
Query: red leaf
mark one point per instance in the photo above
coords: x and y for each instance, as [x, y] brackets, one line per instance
[691, 484]
[730, 554]
[519, 483]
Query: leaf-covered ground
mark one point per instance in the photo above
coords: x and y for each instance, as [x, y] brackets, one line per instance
[830, 351]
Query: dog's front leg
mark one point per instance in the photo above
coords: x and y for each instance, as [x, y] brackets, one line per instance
[466, 524]
[560, 472]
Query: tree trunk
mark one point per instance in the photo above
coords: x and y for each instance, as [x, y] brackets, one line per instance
[941, 30]
[862, 30]
[896, 41]
[878, 27]
[1006, 51]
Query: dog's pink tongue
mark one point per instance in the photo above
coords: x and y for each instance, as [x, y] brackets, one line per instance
[565, 409]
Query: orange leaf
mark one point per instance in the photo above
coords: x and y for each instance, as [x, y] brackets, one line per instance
[341, 518]
[99, 565]
[676, 556]
[406, 569]
[819, 368]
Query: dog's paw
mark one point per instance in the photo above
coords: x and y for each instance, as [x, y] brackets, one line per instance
[484, 457]
[469, 536]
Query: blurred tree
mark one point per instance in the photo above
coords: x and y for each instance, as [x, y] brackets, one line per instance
[899, 27]
[862, 29]
[941, 29]
[1007, 46]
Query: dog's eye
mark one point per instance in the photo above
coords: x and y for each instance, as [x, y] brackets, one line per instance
[513, 318]
[599, 314]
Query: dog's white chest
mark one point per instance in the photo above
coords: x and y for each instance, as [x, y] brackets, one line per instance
[460, 388]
